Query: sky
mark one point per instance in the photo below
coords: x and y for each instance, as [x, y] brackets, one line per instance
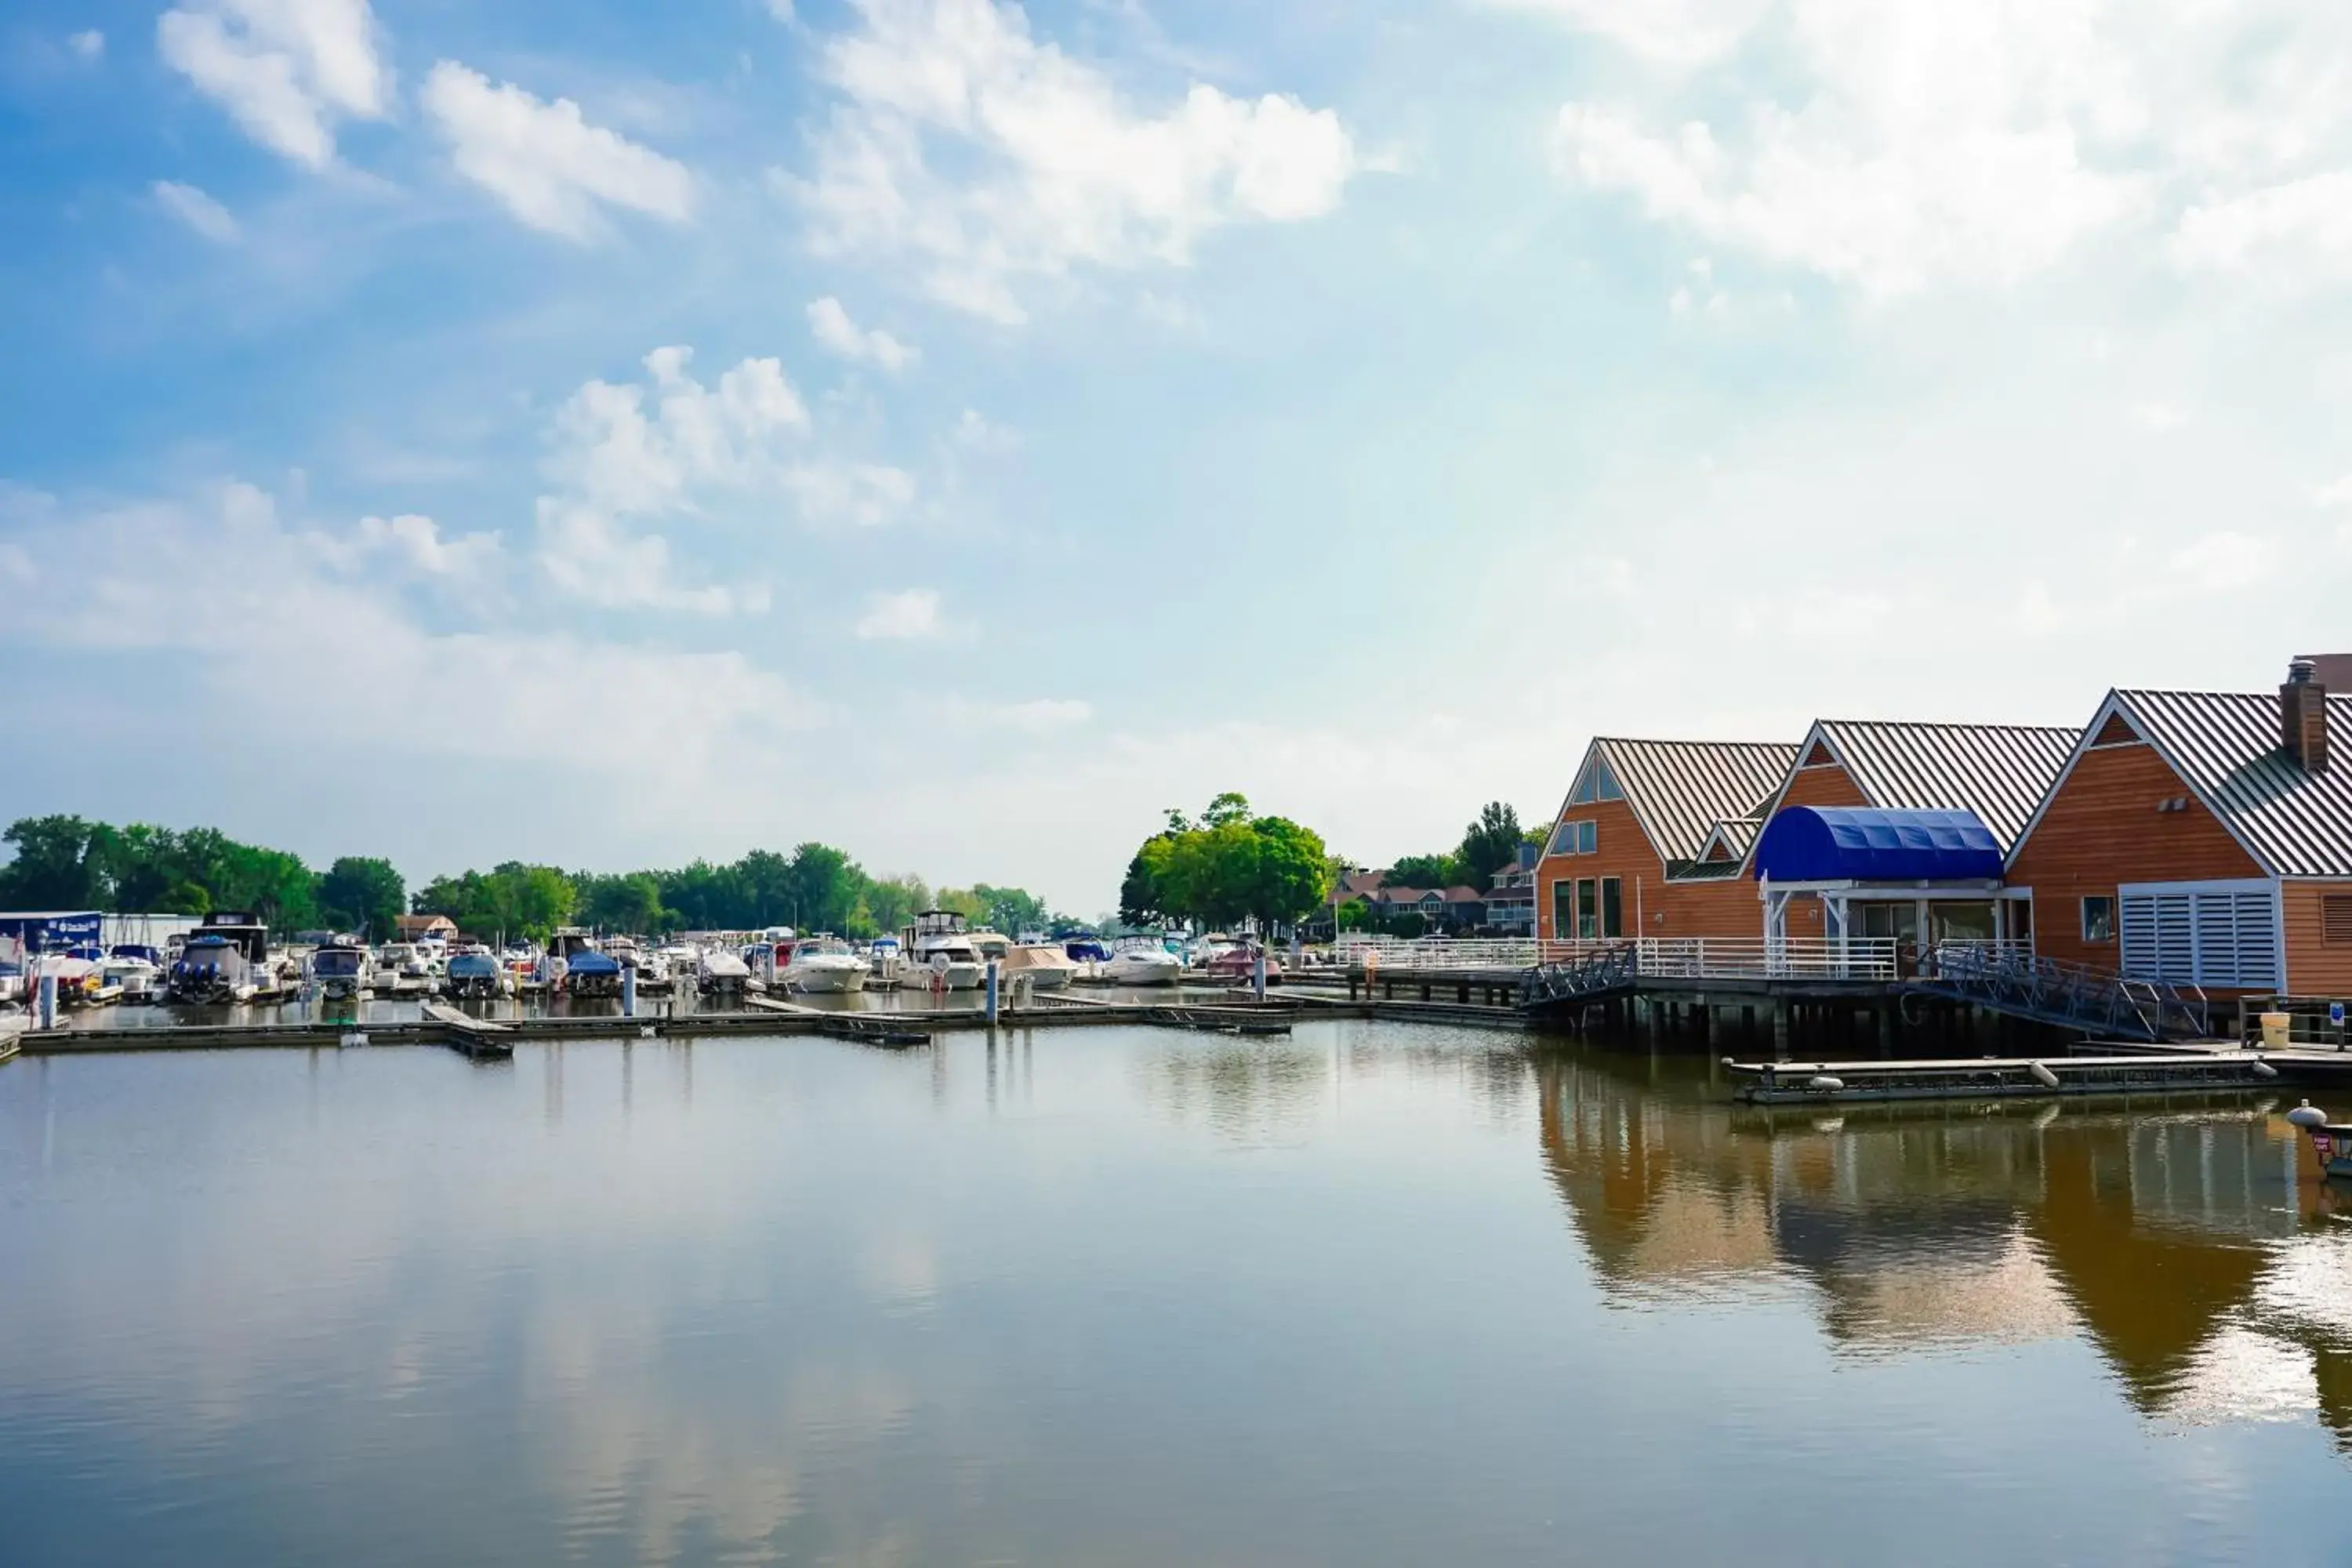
[608, 434]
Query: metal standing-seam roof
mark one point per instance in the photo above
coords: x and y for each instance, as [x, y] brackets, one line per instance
[1999, 772]
[1681, 789]
[2225, 745]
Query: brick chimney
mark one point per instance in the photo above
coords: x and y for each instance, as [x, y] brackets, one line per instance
[2303, 717]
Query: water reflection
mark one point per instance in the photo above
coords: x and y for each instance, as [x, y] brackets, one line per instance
[1369, 1294]
[2193, 1244]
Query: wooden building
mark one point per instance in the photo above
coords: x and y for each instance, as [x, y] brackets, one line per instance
[2202, 837]
[1625, 855]
[1996, 773]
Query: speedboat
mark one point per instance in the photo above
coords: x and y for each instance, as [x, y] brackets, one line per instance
[942, 957]
[479, 973]
[1044, 965]
[722, 972]
[1143, 965]
[341, 971]
[1089, 959]
[211, 968]
[884, 959]
[824, 965]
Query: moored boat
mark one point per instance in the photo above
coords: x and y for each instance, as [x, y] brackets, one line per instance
[1146, 964]
[341, 971]
[822, 965]
[941, 956]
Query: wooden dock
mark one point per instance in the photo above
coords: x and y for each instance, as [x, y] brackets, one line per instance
[477, 1037]
[1999, 1078]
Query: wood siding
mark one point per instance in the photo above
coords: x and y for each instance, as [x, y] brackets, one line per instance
[2315, 966]
[2100, 830]
[1623, 852]
[1832, 785]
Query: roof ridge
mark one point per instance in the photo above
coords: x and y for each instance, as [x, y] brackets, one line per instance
[1956, 724]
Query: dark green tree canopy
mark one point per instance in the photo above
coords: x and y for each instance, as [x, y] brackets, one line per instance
[1233, 867]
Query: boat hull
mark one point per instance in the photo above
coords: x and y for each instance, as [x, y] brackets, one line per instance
[826, 980]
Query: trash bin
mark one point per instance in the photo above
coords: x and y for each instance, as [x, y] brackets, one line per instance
[2274, 1031]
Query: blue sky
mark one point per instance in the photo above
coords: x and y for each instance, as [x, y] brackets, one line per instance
[609, 433]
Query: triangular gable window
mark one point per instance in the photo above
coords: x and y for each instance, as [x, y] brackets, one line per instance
[1717, 850]
[1596, 783]
[2115, 731]
[1819, 757]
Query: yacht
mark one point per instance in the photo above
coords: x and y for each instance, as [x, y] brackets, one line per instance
[884, 959]
[824, 964]
[1146, 964]
[211, 967]
[341, 971]
[941, 954]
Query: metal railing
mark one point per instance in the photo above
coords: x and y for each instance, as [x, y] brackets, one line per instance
[2012, 980]
[1371, 953]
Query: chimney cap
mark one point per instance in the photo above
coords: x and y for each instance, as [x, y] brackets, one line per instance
[2300, 671]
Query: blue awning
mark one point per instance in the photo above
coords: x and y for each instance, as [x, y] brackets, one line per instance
[1856, 844]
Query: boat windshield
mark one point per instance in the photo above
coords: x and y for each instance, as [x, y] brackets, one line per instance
[337, 962]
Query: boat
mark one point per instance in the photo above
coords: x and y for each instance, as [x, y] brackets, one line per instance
[224, 959]
[341, 971]
[822, 965]
[1145, 963]
[722, 972]
[1041, 965]
[1238, 965]
[585, 971]
[138, 970]
[884, 959]
[479, 973]
[1088, 957]
[940, 955]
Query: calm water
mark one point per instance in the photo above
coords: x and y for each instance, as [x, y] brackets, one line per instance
[1378, 1294]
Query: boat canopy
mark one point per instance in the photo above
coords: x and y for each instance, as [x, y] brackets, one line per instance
[1859, 843]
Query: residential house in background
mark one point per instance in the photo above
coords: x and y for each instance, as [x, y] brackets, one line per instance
[1511, 898]
[426, 928]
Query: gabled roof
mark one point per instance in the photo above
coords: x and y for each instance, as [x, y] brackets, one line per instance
[2225, 747]
[1999, 772]
[1729, 840]
[1680, 789]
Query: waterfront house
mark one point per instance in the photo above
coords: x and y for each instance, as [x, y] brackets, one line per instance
[1511, 897]
[1626, 854]
[1976, 781]
[2202, 837]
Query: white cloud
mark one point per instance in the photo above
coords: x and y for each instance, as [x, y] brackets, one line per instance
[88, 45]
[838, 334]
[1047, 713]
[197, 210]
[976, 432]
[1680, 33]
[2336, 493]
[286, 70]
[418, 542]
[2305, 224]
[902, 616]
[248, 596]
[984, 158]
[863, 495]
[587, 555]
[549, 166]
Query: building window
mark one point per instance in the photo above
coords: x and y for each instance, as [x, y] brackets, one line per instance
[1613, 907]
[1563, 908]
[1588, 916]
[2098, 920]
[2336, 919]
[1577, 839]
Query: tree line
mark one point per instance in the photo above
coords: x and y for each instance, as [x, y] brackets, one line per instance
[68, 863]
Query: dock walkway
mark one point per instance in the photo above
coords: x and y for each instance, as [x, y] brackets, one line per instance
[1995, 1077]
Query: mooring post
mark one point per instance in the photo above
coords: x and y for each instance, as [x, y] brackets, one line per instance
[48, 999]
[628, 991]
[1257, 976]
[1780, 1029]
[991, 992]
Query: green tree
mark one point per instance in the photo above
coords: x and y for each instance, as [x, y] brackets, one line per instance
[1490, 843]
[630, 902]
[1426, 871]
[1144, 895]
[1014, 909]
[892, 902]
[1230, 807]
[59, 865]
[363, 894]
[826, 887]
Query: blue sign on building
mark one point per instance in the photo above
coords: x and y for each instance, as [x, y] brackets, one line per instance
[53, 933]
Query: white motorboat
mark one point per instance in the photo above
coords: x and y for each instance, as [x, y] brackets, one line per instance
[722, 972]
[1143, 965]
[941, 954]
[138, 971]
[1043, 964]
[227, 959]
[822, 965]
[884, 959]
[341, 971]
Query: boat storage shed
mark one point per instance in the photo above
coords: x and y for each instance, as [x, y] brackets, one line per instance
[1823, 844]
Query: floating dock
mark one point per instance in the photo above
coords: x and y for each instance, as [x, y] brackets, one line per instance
[1996, 1077]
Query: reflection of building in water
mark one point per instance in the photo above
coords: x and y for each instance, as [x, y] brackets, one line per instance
[2178, 1241]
